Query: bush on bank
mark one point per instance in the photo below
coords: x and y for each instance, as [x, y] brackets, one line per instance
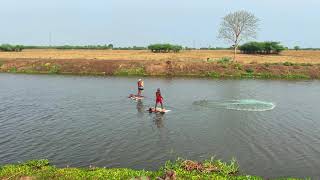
[164, 48]
[267, 47]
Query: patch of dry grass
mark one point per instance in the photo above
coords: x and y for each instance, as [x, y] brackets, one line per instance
[134, 55]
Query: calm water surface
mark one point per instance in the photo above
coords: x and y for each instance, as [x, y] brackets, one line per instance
[82, 121]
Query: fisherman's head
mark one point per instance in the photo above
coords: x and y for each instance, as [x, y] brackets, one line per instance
[139, 80]
[158, 90]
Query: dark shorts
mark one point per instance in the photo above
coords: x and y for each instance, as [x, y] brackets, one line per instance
[140, 88]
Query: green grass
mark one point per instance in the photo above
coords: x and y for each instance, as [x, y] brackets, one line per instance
[139, 71]
[213, 74]
[183, 169]
[40, 169]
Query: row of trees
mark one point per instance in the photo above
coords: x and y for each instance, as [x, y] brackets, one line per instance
[164, 48]
[8, 47]
[261, 48]
[110, 46]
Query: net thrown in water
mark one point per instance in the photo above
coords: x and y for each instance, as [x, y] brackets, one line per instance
[240, 105]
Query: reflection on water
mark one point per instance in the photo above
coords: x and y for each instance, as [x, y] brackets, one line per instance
[140, 108]
[158, 120]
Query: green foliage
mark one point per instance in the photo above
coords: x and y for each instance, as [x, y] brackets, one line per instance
[267, 47]
[249, 70]
[288, 64]
[213, 74]
[13, 69]
[139, 71]
[224, 60]
[37, 163]
[8, 47]
[94, 47]
[238, 66]
[164, 48]
[130, 48]
[54, 69]
[40, 169]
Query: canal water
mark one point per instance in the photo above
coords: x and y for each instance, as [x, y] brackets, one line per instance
[271, 127]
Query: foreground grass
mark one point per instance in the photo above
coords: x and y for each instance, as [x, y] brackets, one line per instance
[180, 169]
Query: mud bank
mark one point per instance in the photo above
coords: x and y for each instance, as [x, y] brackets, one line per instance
[285, 70]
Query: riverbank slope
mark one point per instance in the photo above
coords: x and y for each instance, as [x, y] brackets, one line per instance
[289, 65]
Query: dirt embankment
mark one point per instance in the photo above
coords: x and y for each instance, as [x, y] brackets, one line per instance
[162, 68]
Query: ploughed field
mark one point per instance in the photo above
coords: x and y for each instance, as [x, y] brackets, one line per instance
[137, 55]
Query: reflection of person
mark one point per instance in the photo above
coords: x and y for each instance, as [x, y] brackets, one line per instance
[140, 87]
[159, 100]
[158, 120]
[140, 106]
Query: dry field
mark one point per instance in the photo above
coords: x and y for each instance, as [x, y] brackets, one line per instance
[197, 55]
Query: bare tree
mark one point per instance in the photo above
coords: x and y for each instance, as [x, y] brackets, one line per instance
[238, 26]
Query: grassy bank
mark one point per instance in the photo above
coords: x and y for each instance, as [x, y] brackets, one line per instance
[180, 169]
[220, 68]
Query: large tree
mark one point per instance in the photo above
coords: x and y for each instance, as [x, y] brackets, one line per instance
[238, 26]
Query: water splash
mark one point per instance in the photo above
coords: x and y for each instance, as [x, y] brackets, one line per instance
[240, 105]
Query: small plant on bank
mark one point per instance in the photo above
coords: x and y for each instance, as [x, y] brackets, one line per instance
[54, 69]
[288, 64]
[139, 71]
[224, 60]
[249, 70]
[213, 74]
[238, 66]
[13, 69]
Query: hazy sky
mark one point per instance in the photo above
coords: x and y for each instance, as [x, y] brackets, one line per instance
[141, 22]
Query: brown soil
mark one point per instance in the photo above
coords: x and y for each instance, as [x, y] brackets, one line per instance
[155, 68]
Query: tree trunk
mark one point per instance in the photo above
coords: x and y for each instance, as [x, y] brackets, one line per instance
[235, 53]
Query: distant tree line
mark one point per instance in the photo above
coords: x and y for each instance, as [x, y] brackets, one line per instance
[215, 48]
[164, 48]
[102, 47]
[267, 47]
[131, 48]
[8, 47]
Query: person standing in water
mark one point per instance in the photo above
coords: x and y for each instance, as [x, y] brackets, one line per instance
[140, 87]
[159, 100]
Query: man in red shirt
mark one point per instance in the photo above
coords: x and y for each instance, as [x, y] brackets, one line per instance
[159, 99]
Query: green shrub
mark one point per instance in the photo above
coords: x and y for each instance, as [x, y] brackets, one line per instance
[238, 66]
[8, 47]
[249, 70]
[13, 70]
[164, 48]
[288, 64]
[267, 47]
[54, 69]
[224, 60]
[213, 74]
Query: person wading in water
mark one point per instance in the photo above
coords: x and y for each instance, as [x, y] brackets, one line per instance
[140, 87]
